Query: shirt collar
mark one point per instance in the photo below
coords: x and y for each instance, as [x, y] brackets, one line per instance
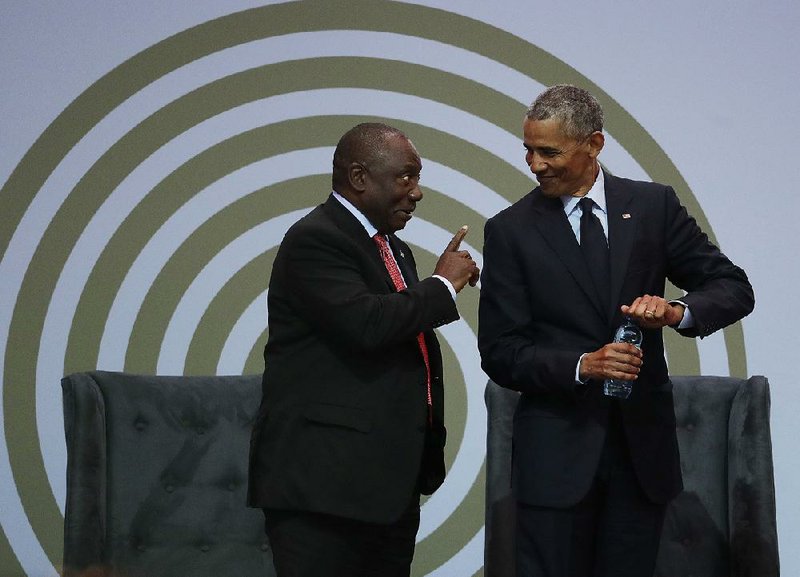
[371, 230]
[597, 193]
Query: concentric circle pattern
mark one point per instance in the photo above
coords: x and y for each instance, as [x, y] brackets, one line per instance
[140, 229]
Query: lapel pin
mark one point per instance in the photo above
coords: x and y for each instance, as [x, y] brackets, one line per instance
[626, 215]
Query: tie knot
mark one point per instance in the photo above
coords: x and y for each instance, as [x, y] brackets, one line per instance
[586, 205]
[380, 240]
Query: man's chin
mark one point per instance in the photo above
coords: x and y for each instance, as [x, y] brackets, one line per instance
[400, 219]
[549, 191]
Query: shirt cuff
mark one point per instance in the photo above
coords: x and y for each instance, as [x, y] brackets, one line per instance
[449, 285]
[578, 380]
[688, 320]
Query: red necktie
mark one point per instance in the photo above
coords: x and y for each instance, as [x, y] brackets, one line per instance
[399, 284]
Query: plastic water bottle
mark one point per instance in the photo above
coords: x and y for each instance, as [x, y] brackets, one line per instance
[628, 332]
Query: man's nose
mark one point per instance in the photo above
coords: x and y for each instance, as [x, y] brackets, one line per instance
[535, 162]
[415, 193]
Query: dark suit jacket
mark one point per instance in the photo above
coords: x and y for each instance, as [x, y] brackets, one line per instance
[342, 424]
[539, 312]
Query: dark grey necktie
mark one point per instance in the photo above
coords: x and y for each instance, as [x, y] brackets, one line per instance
[595, 250]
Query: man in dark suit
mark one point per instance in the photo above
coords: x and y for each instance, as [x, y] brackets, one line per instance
[351, 425]
[592, 474]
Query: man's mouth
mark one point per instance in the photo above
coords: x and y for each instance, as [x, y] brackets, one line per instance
[546, 180]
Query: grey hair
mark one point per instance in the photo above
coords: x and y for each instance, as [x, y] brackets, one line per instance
[578, 111]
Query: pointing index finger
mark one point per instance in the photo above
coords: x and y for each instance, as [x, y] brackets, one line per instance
[453, 245]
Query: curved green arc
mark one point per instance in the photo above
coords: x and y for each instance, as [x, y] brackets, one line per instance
[251, 25]
[112, 89]
[182, 48]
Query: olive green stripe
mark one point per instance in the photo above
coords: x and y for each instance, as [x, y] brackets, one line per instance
[9, 564]
[683, 355]
[185, 47]
[186, 263]
[128, 78]
[442, 211]
[255, 360]
[467, 519]
[737, 354]
[25, 458]
[152, 212]
[225, 309]
[456, 399]
[455, 532]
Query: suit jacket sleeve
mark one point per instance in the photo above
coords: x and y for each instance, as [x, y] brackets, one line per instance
[339, 286]
[718, 291]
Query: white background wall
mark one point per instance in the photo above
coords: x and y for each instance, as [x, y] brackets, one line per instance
[714, 83]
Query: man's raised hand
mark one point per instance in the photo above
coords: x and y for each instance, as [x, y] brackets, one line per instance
[456, 265]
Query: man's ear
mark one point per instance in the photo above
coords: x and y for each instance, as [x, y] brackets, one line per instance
[357, 175]
[596, 142]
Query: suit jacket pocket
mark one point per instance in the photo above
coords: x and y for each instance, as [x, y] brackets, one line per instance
[338, 415]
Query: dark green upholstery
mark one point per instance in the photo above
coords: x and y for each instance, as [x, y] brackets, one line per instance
[723, 524]
[157, 477]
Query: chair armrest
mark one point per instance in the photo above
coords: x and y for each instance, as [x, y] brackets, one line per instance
[751, 483]
[500, 507]
[85, 515]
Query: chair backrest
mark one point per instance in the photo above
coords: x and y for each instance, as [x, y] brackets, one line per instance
[157, 477]
[724, 521]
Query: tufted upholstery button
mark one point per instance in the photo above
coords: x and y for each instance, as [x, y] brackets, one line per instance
[140, 547]
[140, 425]
[690, 427]
[169, 488]
[201, 431]
[205, 548]
[265, 546]
[231, 486]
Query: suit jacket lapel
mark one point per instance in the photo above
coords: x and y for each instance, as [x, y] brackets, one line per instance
[622, 224]
[350, 226]
[552, 222]
[406, 268]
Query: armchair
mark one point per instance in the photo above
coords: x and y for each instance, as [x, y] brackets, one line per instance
[157, 475]
[723, 523]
